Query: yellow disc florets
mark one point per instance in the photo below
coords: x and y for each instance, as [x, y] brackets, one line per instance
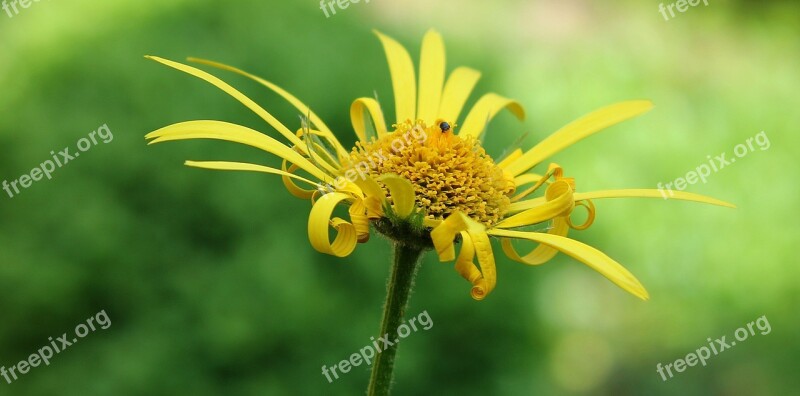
[449, 173]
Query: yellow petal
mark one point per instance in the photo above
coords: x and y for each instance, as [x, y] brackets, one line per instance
[511, 157]
[527, 178]
[359, 122]
[243, 166]
[589, 218]
[293, 188]
[358, 215]
[542, 253]
[320, 218]
[647, 193]
[586, 254]
[553, 170]
[483, 248]
[577, 130]
[317, 152]
[431, 76]
[443, 237]
[403, 80]
[402, 194]
[234, 133]
[464, 265]
[627, 193]
[487, 107]
[299, 105]
[266, 116]
[559, 202]
[370, 187]
[456, 92]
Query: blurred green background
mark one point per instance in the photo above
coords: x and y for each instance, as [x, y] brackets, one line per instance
[208, 277]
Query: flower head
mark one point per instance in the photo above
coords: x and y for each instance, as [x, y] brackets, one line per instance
[427, 180]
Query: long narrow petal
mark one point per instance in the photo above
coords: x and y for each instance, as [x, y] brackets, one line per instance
[318, 153]
[359, 122]
[244, 166]
[586, 254]
[235, 133]
[627, 193]
[511, 157]
[542, 253]
[266, 116]
[648, 193]
[552, 170]
[403, 80]
[402, 194]
[431, 76]
[297, 103]
[559, 203]
[487, 107]
[320, 218]
[456, 92]
[577, 130]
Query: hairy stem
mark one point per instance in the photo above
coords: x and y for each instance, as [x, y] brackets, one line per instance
[404, 268]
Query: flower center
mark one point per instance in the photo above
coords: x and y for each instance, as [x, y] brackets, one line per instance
[449, 173]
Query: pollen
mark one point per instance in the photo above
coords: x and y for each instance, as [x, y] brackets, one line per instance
[449, 173]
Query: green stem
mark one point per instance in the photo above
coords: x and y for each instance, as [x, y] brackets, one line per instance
[404, 269]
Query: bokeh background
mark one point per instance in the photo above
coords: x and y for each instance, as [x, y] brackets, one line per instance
[208, 277]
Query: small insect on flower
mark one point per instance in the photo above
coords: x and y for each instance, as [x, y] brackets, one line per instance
[436, 193]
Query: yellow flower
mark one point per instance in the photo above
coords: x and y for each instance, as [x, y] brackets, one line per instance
[427, 182]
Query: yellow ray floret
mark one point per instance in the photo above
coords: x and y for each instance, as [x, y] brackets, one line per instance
[427, 169]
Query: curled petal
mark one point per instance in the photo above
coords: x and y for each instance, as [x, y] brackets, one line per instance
[542, 253]
[589, 220]
[358, 215]
[359, 122]
[586, 254]
[320, 218]
[558, 202]
[476, 241]
[553, 170]
[293, 188]
[467, 269]
[374, 197]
